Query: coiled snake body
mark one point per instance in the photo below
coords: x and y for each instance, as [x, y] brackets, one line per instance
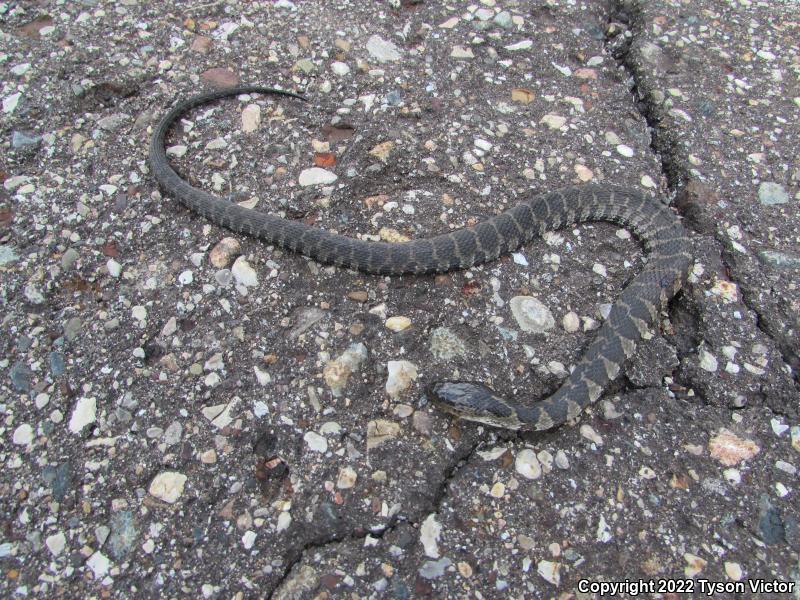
[631, 315]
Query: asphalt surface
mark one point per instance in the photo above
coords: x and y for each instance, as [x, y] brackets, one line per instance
[191, 413]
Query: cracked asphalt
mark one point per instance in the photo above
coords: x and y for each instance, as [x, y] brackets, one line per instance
[190, 412]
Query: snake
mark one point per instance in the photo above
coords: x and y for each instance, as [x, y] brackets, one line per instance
[635, 311]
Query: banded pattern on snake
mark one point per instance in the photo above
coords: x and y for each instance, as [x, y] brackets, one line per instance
[632, 314]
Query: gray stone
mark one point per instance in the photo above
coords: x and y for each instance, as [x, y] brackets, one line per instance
[771, 193]
[446, 345]
[69, 258]
[305, 318]
[72, 328]
[20, 140]
[383, 50]
[503, 19]
[123, 534]
[57, 366]
[173, 433]
[113, 122]
[783, 260]
[433, 569]
[531, 315]
[8, 255]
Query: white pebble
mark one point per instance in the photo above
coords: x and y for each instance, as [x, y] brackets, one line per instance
[527, 464]
[553, 121]
[707, 361]
[461, 52]
[139, 313]
[429, 534]
[316, 176]
[84, 413]
[571, 322]
[520, 259]
[177, 151]
[561, 460]
[383, 50]
[248, 539]
[23, 435]
[216, 144]
[243, 273]
[398, 323]
[251, 118]
[99, 564]
[401, 374]
[732, 476]
[550, 571]
[625, 151]
[167, 486]
[56, 543]
[498, 490]
[340, 68]
[778, 427]
[591, 435]
[347, 478]
[316, 442]
[114, 268]
[284, 520]
[523, 45]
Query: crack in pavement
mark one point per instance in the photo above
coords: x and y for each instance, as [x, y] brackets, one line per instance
[461, 460]
[297, 555]
[440, 493]
[666, 146]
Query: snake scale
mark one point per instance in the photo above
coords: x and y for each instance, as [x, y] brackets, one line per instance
[637, 308]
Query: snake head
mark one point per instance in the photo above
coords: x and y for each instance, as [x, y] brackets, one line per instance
[473, 401]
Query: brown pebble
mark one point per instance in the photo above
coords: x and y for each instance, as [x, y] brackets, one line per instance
[422, 422]
[224, 251]
[442, 279]
[358, 296]
[455, 432]
[220, 77]
[330, 581]
[202, 44]
[422, 588]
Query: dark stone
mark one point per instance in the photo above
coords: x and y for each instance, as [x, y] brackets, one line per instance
[59, 478]
[120, 203]
[57, 366]
[770, 523]
[21, 375]
[265, 445]
[394, 98]
[400, 589]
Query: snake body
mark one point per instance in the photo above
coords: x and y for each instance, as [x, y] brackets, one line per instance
[631, 316]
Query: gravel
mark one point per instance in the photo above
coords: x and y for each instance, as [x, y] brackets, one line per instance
[189, 411]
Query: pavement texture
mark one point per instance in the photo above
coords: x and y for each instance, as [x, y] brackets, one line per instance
[191, 413]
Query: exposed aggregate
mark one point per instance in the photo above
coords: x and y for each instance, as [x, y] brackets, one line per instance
[186, 412]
